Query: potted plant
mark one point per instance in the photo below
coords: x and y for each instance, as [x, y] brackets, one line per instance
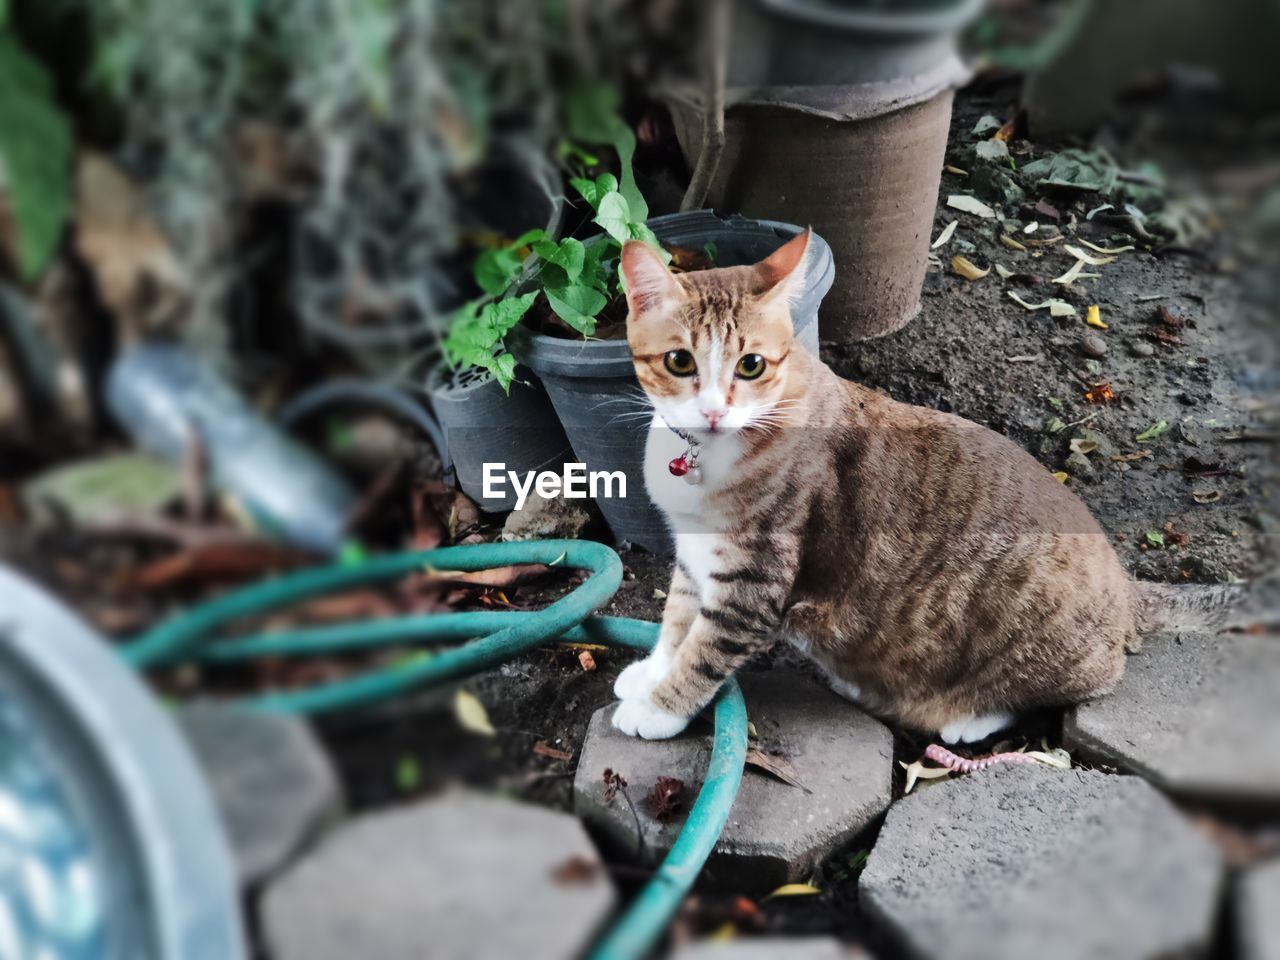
[591, 380]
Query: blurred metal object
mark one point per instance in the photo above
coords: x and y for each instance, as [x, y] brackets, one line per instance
[1101, 47]
[162, 394]
[109, 843]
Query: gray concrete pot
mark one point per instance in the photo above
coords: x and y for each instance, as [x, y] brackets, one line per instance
[591, 381]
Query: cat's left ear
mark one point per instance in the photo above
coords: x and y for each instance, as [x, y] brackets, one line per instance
[780, 276]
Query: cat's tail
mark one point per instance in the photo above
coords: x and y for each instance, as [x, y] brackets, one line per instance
[1167, 606]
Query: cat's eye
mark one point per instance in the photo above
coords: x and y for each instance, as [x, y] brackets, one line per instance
[750, 366]
[681, 363]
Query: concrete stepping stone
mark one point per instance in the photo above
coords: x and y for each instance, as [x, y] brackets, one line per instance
[464, 876]
[1023, 861]
[776, 832]
[1196, 713]
[1258, 913]
[769, 948]
[272, 782]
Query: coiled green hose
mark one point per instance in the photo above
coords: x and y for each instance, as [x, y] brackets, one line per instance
[501, 637]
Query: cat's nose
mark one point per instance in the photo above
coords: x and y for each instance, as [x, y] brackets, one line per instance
[713, 418]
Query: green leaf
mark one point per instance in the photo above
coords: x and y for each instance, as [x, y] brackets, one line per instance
[591, 115]
[565, 260]
[1155, 539]
[1153, 431]
[505, 314]
[593, 191]
[35, 154]
[408, 774]
[640, 231]
[94, 490]
[504, 370]
[614, 216]
[578, 306]
[495, 270]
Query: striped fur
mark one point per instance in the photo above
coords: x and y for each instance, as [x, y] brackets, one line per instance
[923, 561]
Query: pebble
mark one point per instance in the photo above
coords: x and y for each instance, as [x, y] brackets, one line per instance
[1142, 349]
[1093, 346]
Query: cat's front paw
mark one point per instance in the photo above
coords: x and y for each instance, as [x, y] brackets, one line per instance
[637, 681]
[643, 718]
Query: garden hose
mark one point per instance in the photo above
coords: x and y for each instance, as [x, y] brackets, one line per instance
[503, 635]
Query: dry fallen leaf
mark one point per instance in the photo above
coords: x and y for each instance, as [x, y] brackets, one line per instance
[968, 204]
[544, 749]
[945, 235]
[1088, 258]
[1056, 308]
[587, 661]
[1083, 447]
[967, 268]
[1011, 243]
[956, 170]
[1130, 457]
[1003, 272]
[666, 799]
[1093, 317]
[794, 890]
[1100, 393]
[1103, 250]
[1075, 273]
[576, 870]
[471, 714]
[1206, 496]
[1060, 476]
[775, 766]
[918, 771]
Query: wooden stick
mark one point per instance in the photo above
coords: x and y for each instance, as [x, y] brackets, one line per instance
[717, 39]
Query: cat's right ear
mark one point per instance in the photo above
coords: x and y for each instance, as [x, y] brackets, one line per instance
[651, 287]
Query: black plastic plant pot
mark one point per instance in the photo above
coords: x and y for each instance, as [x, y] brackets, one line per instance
[483, 424]
[110, 845]
[593, 385]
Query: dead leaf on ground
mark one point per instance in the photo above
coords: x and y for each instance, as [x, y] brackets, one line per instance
[1100, 393]
[1131, 457]
[1056, 308]
[794, 890]
[1093, 317]
[471, 714]
[916, 770]
[1083, 447]
[544, 749]
[613, 782]
[586, 661]
[1011, 243]
[220, 562]
[575, 871]
[967, 269]
[776, 767]
[945, 235]
[968, 204]
[666, 799]
[496, 577]
[1206, 496]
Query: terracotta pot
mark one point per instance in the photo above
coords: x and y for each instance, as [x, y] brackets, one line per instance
[869, 186]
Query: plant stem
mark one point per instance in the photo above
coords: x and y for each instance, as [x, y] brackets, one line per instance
[716, 31]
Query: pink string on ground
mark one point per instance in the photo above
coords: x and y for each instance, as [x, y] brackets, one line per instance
[958, 764]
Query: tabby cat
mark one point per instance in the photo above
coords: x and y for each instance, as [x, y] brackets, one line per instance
[937, 573]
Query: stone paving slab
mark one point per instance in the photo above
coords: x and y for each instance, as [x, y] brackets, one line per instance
[776, 832]
[1258, 913]
[272, 782]
[1196, 713]
[465, 876]
[769, 948]
[1021, 861]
